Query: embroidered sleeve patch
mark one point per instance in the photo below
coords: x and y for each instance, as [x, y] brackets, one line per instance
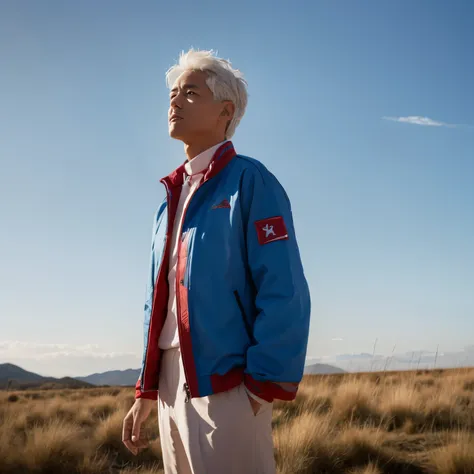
[271, 229]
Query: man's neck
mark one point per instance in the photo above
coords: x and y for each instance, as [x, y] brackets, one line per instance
[194, 149]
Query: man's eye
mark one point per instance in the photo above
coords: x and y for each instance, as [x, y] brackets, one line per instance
[191, 92]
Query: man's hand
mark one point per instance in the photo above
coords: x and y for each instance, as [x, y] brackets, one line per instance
[255, 405]
[132, 424]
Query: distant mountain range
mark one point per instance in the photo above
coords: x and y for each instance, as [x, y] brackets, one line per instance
[20, 378]
[322, 369]
[113, 377]
[15, 377]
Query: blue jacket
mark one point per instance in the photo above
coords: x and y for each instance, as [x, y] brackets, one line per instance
[243, 303]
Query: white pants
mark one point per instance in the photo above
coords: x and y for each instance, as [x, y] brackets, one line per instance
[217, 434]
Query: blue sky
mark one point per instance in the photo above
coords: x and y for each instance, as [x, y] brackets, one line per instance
[363, 110]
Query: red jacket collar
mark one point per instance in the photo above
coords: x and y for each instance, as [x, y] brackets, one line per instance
[221, 157]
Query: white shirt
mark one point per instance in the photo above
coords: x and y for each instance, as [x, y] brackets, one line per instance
[195, 170]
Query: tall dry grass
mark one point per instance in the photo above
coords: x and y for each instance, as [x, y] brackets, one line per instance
[384, 423]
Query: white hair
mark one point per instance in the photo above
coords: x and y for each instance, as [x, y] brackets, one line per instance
[225, 82]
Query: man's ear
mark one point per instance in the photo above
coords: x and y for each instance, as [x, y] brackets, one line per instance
[229, 109]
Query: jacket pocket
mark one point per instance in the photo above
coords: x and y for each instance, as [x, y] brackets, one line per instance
[242, 312]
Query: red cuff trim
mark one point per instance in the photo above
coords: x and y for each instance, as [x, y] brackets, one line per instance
[270, 390]
[151, 395]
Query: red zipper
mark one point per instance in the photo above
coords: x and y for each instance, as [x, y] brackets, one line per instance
[178, 309]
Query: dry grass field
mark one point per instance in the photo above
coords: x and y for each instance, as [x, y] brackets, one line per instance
[393, 423]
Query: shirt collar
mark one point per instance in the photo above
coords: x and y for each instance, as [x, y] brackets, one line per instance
[201, 162]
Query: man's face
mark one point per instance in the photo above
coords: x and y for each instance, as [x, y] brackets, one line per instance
[193, 112]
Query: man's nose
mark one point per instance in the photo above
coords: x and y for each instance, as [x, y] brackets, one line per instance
[175, 102]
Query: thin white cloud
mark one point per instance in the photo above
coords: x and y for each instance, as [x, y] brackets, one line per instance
[23, 349]
[417, 120]
[337, 339]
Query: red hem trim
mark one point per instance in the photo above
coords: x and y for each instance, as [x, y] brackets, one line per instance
[269, 390]
[227, 381]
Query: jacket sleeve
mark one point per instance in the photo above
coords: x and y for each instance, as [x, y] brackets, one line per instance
[276, 359]
[152, 394]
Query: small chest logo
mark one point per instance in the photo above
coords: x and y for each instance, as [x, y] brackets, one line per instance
[225, 204]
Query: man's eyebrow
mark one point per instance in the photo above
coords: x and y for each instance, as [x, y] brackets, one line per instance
[185, 86]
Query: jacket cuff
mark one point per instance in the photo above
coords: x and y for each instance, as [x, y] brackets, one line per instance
[151, 395]
[270, 391]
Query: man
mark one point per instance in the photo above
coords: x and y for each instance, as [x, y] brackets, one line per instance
[227, 305]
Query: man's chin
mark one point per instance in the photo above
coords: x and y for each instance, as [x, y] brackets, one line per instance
[176, 134]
